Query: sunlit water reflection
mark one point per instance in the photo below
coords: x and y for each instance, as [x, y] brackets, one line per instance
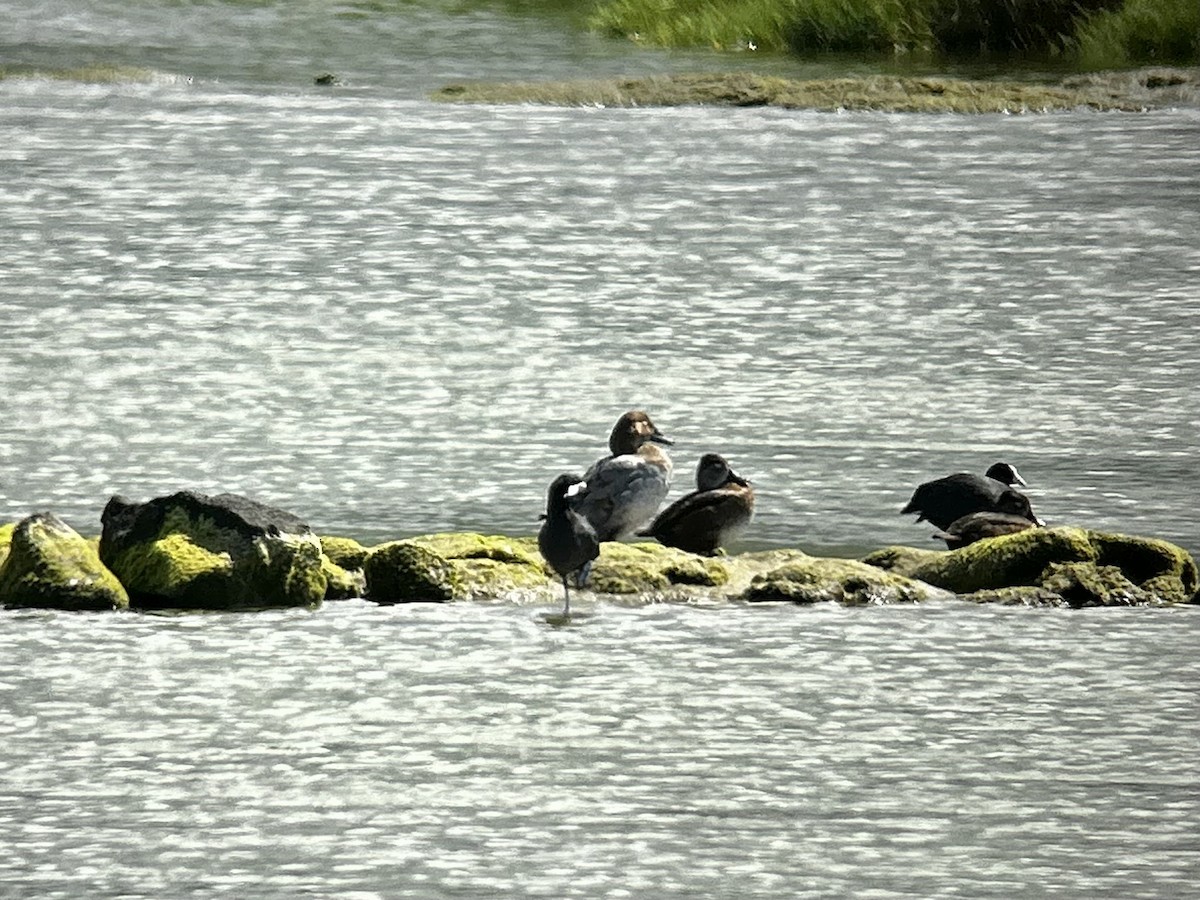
[670, 751]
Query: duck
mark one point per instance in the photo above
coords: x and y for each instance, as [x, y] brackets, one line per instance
[945, 500]
[708, 517]
[566, 540]
[626, 488]
[1012, 514]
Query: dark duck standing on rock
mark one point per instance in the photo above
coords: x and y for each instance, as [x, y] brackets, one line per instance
[702, 521]
[625, 489]
[1013, 514]
[566, 540]
[945, 500]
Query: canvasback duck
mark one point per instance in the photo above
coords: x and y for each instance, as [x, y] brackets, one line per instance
[625, 489]
[708, 517]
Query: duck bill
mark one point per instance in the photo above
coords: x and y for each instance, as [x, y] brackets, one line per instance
[735, 478]
[660, 438]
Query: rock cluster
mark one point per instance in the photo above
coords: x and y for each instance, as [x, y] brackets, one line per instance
[189, 551]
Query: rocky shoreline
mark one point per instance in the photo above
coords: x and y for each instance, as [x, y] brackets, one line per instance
[1127, 91]
[188, 551]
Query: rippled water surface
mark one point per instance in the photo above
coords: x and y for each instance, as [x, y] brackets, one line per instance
[666, 751]
[391, 316]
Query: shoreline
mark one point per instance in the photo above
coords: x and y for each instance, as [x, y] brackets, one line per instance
[1136, 90]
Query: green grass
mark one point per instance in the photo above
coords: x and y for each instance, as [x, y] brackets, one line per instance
[1125, 31]
[1159, 31]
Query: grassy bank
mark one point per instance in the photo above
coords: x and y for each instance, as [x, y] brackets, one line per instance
[1096, 32]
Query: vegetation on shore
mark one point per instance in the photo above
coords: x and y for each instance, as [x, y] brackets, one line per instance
[1096, 32]
[883, 93]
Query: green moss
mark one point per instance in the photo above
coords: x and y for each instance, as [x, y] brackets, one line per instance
[406, 572]
[194, 563]
[880, 92]
[1007, 561]
[1018, 596]
[49, 565]
[647, 567]
[489, 566]
[340, 583]
[175, 572]
[6, 532]
[1150, 561]
[900, 560]
[814, 579]
[1089, 584]
[345, 553]
[464, 545]
[1083, 568]
[284, 572]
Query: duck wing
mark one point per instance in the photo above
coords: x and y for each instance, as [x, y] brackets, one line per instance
[622, 493]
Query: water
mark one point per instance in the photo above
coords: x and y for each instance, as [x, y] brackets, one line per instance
[668, 751]
[393, 317]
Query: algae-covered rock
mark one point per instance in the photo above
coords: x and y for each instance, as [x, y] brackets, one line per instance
[488, 566]
[900, 560]
[1078, 566]
[345, 552]
[405, 572]
[1006, 561]
[810, 579]
[5, 537]
[191, 551]
[652, 568]
[1018, 596]
[454, 566]
[48, 565]
[342, 584]
[1089, 584]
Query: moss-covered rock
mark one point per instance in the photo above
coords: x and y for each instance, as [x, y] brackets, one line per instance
[344, 552]
[1006, 561]
[651, 568]
[190, 551]
[1078, 566]
[6, 532]
[455, 566]
[48, 565]
[340, 583]
[1018, 596]
[899, 559]
[406, 572]
[810, 579]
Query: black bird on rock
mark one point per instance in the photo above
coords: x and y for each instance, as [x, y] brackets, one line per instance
[566, 540]
[700, 522]
[945, 500]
